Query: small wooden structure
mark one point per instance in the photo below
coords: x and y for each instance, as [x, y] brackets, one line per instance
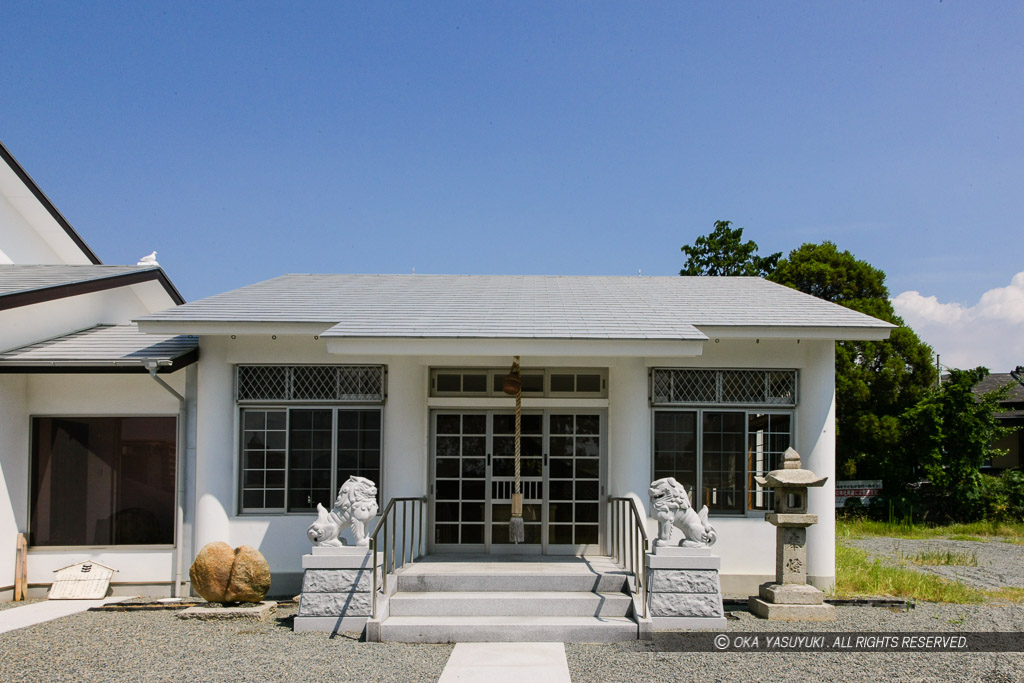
[82, 581]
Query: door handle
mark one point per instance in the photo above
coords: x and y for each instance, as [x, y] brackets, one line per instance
[488, 459]
[545, 460]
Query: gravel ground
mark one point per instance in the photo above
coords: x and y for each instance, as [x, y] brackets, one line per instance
[158, 646]
[630, 661]
[999, 564]
[11, 604]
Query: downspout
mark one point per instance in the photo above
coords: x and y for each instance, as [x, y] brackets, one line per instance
[179, 466]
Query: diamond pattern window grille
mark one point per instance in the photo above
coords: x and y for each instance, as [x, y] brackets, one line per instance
[310, 383]
[728, 387]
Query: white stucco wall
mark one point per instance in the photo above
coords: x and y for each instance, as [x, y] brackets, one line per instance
[20, 242]
[23, 397]
[27, 324]
[746, 544]
[13, 473]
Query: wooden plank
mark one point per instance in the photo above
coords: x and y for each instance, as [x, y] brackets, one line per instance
[21, 569]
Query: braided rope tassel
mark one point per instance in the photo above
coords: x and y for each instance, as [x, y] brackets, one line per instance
[516, 527]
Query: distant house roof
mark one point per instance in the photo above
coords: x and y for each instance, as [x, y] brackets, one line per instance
[1014, 401]
[102, 349]
[509, 307]
[23, 285]
[26, 179]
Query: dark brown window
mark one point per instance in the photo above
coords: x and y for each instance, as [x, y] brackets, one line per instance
[102, 480]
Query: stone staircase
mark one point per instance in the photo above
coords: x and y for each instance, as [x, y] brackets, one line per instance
[442, 599]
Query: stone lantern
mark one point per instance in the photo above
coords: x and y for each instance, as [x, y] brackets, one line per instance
[790, 598]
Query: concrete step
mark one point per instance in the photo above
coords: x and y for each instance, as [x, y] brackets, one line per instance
[511, 604]
[503, 581]
[428, 629]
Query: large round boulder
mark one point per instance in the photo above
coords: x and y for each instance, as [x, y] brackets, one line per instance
[220, 574]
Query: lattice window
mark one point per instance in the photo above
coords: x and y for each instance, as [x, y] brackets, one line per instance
[716, 454]
[724, 387]
[363, 383]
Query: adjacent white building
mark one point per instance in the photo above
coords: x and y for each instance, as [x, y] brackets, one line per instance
[90, 443]
[117, 446]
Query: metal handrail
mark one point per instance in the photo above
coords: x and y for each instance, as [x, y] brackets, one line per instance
[413, 541]
[632, 537]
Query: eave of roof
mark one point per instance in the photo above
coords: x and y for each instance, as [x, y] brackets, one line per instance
[41, 197]
[80, 280]
[103, 349]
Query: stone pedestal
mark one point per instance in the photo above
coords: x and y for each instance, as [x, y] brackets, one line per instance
[790, 598]
[684, 591]
[337, 585]
[791, 602]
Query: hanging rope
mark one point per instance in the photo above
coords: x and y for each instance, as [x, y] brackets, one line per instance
[513, 385]
[519, 428]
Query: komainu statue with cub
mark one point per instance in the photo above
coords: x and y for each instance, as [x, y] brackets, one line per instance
[671, 507]
[355, 505]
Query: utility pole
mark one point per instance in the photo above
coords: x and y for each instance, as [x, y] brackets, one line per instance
[938, 371]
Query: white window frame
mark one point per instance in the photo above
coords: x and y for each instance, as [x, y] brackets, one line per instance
[494, 375]
[335, 409]
[699, 465]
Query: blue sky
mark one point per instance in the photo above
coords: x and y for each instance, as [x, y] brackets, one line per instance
[246, 140]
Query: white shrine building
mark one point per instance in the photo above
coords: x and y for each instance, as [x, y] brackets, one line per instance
[304, 380]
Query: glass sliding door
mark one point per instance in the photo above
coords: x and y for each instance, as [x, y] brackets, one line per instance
[473, 472]
[574, 505]
[460, 480]
[531, 480]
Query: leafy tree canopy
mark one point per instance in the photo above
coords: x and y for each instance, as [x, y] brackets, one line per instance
[724, 253]
[949, 433]
[837, 276]
[876, 381]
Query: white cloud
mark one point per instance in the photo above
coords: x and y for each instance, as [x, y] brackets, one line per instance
[989, 333]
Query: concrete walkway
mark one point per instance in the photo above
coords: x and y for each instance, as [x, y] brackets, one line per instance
[47, 610]
[511, 662]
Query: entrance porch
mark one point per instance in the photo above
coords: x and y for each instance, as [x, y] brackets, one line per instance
[481, 597]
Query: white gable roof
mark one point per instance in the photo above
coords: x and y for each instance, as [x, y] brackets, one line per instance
[515, 307]
[32, 230]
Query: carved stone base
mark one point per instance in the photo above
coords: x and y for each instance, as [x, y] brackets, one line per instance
[774, 612]
[791, 602]
[791, 594]
[337, 587]
[684, 589]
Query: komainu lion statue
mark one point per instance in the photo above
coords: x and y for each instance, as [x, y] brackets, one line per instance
[671, 507]
[355, 505]
[325, 530]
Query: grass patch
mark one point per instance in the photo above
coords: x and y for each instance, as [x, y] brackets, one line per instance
[932, 558]
[858, 576]
[1007, 593]
[973, 531]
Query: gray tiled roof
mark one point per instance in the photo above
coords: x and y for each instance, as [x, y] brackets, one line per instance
[118, 345]
[497, 306]
[998, 380]
[19, 278]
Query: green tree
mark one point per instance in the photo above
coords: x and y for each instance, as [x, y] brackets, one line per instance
[950, 433]
[876, 381]
[724, 252]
